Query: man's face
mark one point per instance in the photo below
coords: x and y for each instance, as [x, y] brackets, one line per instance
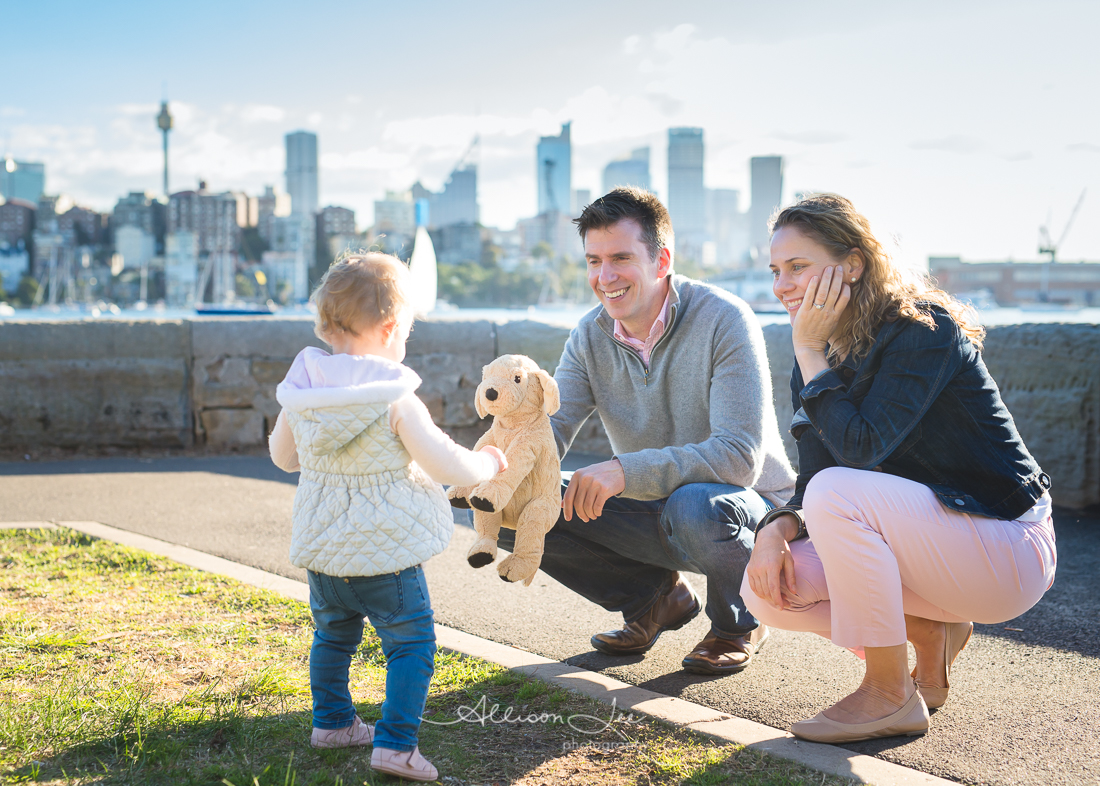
[630, 285]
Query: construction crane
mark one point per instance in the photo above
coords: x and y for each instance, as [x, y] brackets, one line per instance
[1045, 244]
[468, 154]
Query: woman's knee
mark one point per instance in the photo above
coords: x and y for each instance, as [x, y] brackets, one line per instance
[826, 494]
[758, 607]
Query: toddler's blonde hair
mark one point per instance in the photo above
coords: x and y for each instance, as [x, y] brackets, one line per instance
[360, 291]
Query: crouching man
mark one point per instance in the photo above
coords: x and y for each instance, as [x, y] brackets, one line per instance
[677, 371]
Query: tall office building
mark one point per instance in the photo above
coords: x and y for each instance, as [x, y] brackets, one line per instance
[396, 214]
[728, 226]
[263, 209]
[134, 245]
[582, 197]
[456, 203]
[134, 210]
[767, 195]
[181, 268]
[335, 233]
[213, 218]
[555, 172]
[687, 198]
[301, 172]
[293, 251]
[631, 171]
[17, 220]
[22, 179]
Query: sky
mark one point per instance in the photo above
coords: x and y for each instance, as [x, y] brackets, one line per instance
[957, 127]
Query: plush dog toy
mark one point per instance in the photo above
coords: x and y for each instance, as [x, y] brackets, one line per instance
[526, 497]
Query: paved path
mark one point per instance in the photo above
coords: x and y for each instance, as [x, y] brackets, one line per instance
[1025, 704]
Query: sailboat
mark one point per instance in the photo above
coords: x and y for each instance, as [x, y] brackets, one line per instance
[422, 267]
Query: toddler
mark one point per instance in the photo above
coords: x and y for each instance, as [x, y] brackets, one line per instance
[369, 508]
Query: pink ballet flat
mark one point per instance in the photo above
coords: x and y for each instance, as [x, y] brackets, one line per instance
[357, 735]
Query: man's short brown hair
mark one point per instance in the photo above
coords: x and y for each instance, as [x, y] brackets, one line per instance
[635, 204]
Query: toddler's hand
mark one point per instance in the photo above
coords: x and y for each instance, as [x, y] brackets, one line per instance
[496, 453]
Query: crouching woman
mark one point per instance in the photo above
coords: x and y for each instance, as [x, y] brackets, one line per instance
[918, 509]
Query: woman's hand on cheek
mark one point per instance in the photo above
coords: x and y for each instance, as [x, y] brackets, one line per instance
[821, 309]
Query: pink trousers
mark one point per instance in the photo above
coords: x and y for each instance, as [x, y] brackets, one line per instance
[881, 547]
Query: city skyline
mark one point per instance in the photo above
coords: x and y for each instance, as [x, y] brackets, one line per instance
[959, 129]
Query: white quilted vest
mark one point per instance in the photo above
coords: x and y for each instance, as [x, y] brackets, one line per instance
[363, 507]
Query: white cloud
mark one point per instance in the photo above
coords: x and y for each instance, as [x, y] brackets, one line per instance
[262, 113]
[956, 143]
[810, 137]
[674, 41]
[372, 158]
[138, 109]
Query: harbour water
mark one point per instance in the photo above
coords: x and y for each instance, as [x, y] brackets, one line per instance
[566, 316]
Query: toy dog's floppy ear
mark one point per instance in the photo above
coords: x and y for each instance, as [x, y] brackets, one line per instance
[551, 399]
[481, 412]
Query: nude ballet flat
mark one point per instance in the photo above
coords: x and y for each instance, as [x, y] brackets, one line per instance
[910, 720]
[957, 634]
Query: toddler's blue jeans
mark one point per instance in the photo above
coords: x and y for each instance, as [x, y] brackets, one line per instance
[398, 606]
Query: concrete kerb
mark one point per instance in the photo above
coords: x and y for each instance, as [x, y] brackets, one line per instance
[627, 698]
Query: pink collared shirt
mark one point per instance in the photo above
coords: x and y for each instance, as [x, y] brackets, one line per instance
[644, 347]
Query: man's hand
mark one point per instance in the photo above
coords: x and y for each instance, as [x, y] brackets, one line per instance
[591, 487]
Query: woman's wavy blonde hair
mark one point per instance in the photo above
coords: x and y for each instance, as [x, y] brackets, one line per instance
[885, 291]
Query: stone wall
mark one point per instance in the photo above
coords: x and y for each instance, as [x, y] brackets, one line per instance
[211, 381]
[101, 383]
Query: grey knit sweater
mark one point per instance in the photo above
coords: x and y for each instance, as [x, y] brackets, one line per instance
[701, 413]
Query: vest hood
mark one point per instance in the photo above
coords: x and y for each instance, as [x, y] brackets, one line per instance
[342, 395]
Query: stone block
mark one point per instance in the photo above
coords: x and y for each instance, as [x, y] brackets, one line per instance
[541, 342]
[476, 340]
[73, 403]
[266, 337]
[233, 427]
[88, 340]
[224, 382]
[777, 340]
[95, 383]
[269, 372]
[1049, 377]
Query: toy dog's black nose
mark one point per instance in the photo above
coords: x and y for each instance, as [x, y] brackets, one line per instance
[490, 394]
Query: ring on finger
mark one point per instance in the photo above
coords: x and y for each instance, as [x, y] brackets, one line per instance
[819, 305]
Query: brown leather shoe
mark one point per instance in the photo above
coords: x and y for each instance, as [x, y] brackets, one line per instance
[672, 611]
[725, 656]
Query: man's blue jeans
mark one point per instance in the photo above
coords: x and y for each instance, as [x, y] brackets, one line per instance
[398, 606]
[624, 559]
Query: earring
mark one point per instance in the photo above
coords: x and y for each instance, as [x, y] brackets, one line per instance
[853, 279]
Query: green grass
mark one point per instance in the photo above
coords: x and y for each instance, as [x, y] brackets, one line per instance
[119, 667]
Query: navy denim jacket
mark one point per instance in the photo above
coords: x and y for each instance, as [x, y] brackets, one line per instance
[920, 405]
